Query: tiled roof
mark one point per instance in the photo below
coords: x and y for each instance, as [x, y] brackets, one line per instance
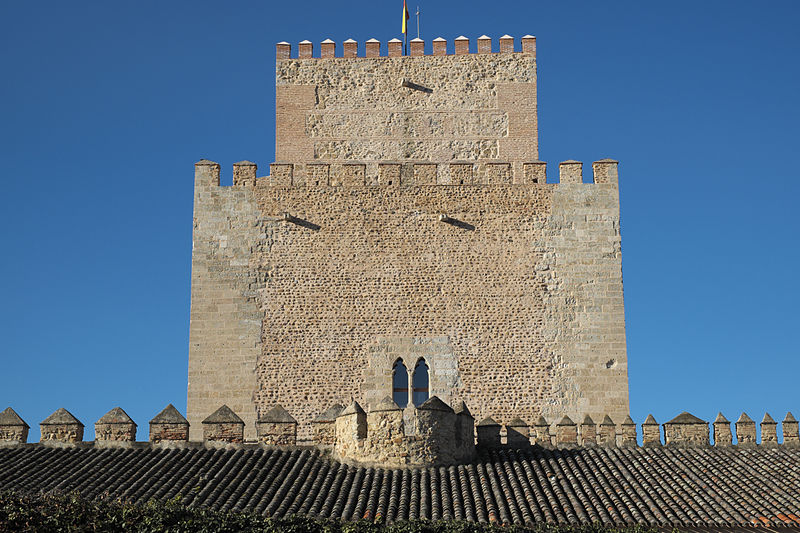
[694, 487]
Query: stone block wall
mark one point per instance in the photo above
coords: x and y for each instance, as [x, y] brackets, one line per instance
[513, 293]
[225, 320]
[435, 108]
[223, 432]
[15, 433]
[115, 426]
[431, 435]
[407, 215]
[115, 432]
[169, 432]
[437, 352]
[324, 426]
[351, 431]
[169, 426]
[277, 433]
[61, 427]
[13, 429]
[381, 437]
[435, 433]
[385, 442]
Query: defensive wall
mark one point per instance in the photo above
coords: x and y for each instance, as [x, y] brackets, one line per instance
[375, 237]
[439, 435]
[511, 291]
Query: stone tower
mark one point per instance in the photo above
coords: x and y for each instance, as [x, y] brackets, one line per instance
[407, 221]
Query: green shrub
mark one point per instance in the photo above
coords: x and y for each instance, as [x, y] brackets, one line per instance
[58, 512]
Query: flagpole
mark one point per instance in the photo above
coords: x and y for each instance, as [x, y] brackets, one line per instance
[405, 29]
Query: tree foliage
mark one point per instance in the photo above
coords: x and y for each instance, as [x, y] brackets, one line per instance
[67, 512]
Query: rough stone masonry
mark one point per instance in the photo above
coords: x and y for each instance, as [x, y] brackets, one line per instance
[407, 216]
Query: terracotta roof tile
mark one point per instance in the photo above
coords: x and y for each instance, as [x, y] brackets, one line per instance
[689, 488]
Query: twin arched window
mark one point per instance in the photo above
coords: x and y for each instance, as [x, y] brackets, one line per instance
[419, 383]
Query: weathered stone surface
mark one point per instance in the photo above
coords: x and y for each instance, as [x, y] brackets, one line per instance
[244, 174]
[13, 429]
[115, 426]
[607, 436]
[357, 109]
[225, 320]
[515, 304]
[436, 436]
[769, 431]
[277, 427]
[223, 425]
[791, 436]
[722, 431]
[628, 434]
[351, 431]
[465, 428]
[651, 432]
[541, 432]
[169, 415]
[686, 430]
[566, 432]
[745, 431]
[324, 426]
[61, 426]
[381, 355]
[588, 432]
[277, 414]
[434, 403]
[518, 434]
[169, 425]
[488, 433]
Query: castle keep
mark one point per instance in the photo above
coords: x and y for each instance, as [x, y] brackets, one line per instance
[407, 226]
[408, 319]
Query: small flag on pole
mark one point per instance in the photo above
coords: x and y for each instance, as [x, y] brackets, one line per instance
[405, 28]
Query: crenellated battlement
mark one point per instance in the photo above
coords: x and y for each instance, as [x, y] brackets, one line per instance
[372, 103]
[373, 48]
[318, 173]
[387, 435]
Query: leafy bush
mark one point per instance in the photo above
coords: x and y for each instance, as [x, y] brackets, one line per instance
[59, 512]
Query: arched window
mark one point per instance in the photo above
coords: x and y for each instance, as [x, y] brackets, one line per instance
[419, 383]
[400, 383]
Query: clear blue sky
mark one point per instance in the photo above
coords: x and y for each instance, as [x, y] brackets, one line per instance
[105, 106]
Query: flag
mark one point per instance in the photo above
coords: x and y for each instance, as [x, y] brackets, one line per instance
[405, 17]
